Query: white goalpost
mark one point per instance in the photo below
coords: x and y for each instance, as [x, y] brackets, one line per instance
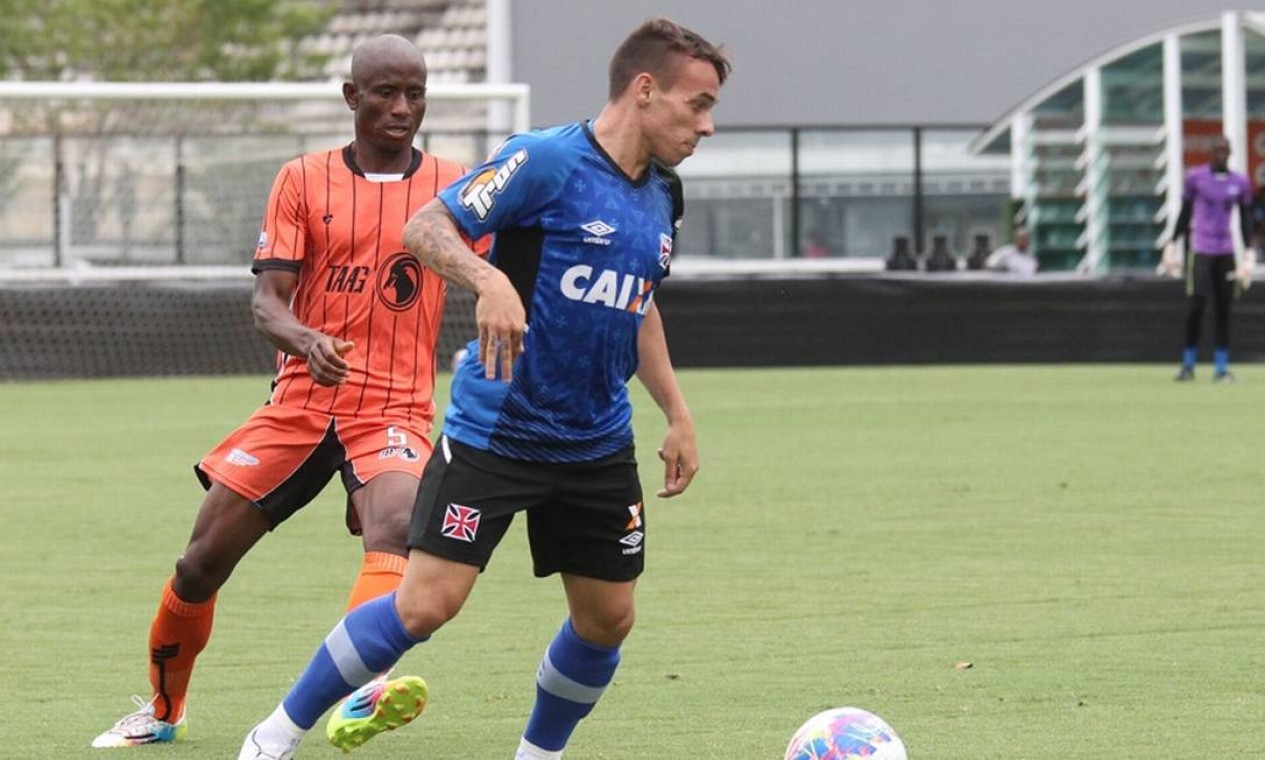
[120, 180]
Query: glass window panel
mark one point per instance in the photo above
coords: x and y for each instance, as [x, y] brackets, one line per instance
[1201, 75]
[737, 187]
[1254, 51]
[1133, 88]
[965, 196]
[856, 190]
[1063, 109]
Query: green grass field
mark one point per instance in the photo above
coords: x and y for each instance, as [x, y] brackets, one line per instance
[1089, 538]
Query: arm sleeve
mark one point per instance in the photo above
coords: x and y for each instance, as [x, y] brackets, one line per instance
[509, 190]
[1182, 228]
[283, 237]
[1245, 223]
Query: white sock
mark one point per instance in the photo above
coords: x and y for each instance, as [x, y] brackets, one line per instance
[529, 751]
[279, 729]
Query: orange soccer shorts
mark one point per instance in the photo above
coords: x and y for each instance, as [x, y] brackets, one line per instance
[281, 458]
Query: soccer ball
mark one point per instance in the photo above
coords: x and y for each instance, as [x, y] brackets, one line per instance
[845, 733]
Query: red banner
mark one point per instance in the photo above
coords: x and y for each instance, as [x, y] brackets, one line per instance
[1197, 137]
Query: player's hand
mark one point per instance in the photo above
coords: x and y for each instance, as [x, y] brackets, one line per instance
[1170, 262]
[325, 362]
[1246, 268]
[680, 459]
[502, 324]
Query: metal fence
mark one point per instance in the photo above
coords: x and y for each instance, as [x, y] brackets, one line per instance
[144, 200]
[137, 199]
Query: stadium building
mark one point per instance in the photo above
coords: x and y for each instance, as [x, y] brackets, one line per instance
[847, 131]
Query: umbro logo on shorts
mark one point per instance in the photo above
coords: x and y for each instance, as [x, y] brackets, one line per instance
[632, 542]
[241, 458]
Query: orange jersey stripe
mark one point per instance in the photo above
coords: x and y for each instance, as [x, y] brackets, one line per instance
[342, 234]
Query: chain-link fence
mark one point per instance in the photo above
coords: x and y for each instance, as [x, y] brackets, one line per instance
[179, 174]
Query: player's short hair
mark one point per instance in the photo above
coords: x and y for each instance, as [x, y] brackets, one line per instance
[654, 47]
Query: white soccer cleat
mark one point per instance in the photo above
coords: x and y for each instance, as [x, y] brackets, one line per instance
[141, 727]
[257, 748]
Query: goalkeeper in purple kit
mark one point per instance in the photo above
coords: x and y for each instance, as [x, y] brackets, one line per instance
[1209, 197]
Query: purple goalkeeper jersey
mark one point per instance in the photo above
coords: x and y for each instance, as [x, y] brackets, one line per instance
[1213, 196]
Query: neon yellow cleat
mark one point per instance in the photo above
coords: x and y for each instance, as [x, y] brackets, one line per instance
[376, 707]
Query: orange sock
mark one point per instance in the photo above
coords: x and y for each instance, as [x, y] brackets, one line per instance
[179, 632]
[380, 573]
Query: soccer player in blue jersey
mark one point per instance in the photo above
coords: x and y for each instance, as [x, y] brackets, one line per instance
[584, 217]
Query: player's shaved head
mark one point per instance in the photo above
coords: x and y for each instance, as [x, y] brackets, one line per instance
[386, 50]
[387, 92]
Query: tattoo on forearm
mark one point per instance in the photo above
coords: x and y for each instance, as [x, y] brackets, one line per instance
[434, 239]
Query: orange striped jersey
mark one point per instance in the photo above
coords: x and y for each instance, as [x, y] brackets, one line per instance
[341, 231]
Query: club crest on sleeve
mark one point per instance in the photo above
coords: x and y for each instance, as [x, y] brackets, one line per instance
[665, 250]
[461, 522]
[263, 240]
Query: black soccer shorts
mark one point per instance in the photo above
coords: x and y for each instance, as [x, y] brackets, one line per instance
[583, 518]
[1211, 276]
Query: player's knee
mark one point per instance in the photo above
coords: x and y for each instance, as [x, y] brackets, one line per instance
[388, 532]
[422, 615]
[606, 628]
[198, 578]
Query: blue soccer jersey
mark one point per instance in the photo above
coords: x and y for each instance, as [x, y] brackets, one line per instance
[585, 246]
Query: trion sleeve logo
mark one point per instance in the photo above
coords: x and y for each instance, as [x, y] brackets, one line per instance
[480, 192]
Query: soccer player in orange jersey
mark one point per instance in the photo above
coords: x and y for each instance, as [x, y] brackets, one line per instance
[355, 320]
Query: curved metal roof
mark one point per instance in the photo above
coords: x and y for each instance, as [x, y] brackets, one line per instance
[1253, 19]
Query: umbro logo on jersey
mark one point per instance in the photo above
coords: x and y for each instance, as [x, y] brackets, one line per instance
[480, 192]
[241, 458]
[598, 230]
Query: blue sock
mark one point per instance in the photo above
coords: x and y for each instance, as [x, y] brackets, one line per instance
[1221, 359]
[572, 676]
[368, 641]
[1188, 357]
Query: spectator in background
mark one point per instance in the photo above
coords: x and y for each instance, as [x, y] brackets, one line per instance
[814, 248]
[1016, 257]
[1210, 195]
